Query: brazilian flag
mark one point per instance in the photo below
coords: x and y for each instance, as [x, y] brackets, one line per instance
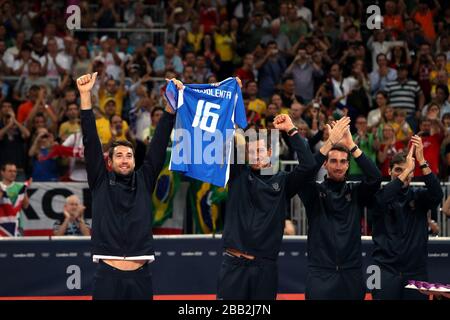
[162, 199]
[204, 200]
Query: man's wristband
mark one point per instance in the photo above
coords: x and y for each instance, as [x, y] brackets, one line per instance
[292, 131]
[354, 149]
[425, 165]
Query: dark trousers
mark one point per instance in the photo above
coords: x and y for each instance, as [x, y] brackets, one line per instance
[328, 284]
[392, 286]
[114, 284]
[243, 279]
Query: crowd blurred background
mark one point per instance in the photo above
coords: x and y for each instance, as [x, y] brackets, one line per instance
[314, 60]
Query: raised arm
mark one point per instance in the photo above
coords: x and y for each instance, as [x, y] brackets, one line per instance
[305, 169]
[432, 195]
[156, 154]
[372, 175]
[389, 192]
[337, 130]
[92, 148]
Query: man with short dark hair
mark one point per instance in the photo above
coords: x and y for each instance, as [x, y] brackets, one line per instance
[121, 205]
[334, 209]
[400, 229]
[256, 216]
[13, 189]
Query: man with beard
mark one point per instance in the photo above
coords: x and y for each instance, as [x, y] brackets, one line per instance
[334, 209]
[121, 205]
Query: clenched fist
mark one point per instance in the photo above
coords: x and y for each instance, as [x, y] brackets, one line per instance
[283, 122]
[86, 82]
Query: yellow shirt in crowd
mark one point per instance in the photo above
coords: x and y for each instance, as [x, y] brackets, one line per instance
[104, 130]
[67, 128]
[223, 46]
[103, 96]
[257, 105]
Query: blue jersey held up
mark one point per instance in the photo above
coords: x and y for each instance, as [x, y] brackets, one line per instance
[204, 128]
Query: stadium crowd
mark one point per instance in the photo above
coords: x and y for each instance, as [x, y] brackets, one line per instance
[314, 60]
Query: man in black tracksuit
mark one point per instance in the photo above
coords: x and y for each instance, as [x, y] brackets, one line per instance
[334, 209]
[400, 230]
[121, 206]
[256, 211]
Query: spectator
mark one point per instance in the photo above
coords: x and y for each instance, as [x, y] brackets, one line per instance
[413, 35]
[13, 137]
[34, 78]
[377, 44]
[38, 46]
[12, 188]
[288, 93]
[388, 117]
[403, 131]
[45, 170]
[156, 114]
[441, 99]
[392, 19]
[181, 44]
[304, 70]
[225, 43]
[366, 141]
[50, 34]
[22, 63]
[208, 49]
[330, 30]
[304, 13]
[119, 131]
[107, 16]
[432, 134]
[54, 63]
[59, 104]
[179, 17]
[138, 19]
[82, 62]
[110, 89]
[374, 118]
[26, 107]
[399, 55]
[247, 72]
[109, 57]
[380, 76]
[403, 92]
[294, 27]
[296, 112]
[77, 167]
[13, 51]
[208, 15]
[26, 18]
[422, 69]
[255, 104]
[270, 70]
[72, 223]
[195, 36]
[201, 70]
[44, 110]
[424, 16]
[278, 37]
[168, 61]
[103, 123]
[72, 125]
[388, 148]
[341, 87]
[254, 31]
[441, 79]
